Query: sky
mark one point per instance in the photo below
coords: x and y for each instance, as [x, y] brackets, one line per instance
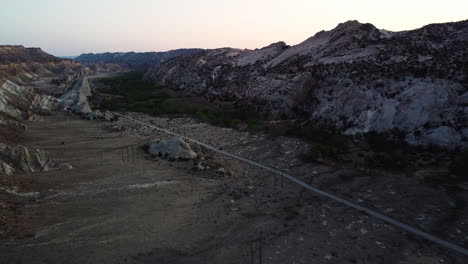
[73, 27]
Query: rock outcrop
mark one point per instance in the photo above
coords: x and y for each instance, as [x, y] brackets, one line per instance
[19, 102]
[356, 78]
[75, 98]
[19, 158]
[23, 65]
[173, 148]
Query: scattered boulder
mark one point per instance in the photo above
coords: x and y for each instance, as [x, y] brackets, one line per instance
[108, 116]
[200, 166]
[94, 115]
[117, 127]
[174, 148]
[221, 171]
[98, 115]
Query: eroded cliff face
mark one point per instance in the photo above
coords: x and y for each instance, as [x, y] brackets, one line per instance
[355, 77]
[19, 103]
[23, 65]
[76, 96]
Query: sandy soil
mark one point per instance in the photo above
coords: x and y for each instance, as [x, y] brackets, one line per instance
[119, 206]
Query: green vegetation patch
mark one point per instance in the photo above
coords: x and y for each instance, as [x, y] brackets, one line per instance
[143, 97]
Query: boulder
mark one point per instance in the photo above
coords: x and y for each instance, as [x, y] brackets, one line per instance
[108, 115]
[174, 148]
[95, 115]
[98, 115]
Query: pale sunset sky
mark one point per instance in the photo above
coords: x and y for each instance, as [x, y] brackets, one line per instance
[72, 27]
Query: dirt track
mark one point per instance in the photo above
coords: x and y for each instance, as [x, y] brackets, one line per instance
[119, 207]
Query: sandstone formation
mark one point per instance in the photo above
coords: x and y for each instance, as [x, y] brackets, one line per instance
[76, 96]
[19, 102]
[356, 78]
[22, 65]
[20, 158]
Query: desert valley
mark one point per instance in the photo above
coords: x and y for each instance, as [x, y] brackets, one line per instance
[349, 147]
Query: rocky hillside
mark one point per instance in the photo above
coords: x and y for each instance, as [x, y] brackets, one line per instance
[22, 65]
[19, 102]
[131, 60]
[356, 77]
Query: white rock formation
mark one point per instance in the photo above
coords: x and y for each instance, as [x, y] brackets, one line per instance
[98, 115]
[76, 97]
[171, 148]
[21, 101]
[355, 78]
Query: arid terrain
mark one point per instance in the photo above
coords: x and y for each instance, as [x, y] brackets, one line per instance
[181, 156]
[119, 205]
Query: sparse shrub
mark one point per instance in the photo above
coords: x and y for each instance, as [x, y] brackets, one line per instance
[396, 160]
[111, 104]
[459, 165]
[319, 151]
[338, 142]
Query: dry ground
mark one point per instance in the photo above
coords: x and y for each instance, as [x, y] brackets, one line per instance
[119, 206]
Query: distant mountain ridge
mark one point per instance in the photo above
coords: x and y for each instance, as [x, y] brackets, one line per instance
[133, 60]
[22, 65]
[356, 77]
[20, 54]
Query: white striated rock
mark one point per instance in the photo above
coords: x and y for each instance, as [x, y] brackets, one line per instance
[20, 101]
[76, 97]
[6, 168]
[20, 158]
[355, 78]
